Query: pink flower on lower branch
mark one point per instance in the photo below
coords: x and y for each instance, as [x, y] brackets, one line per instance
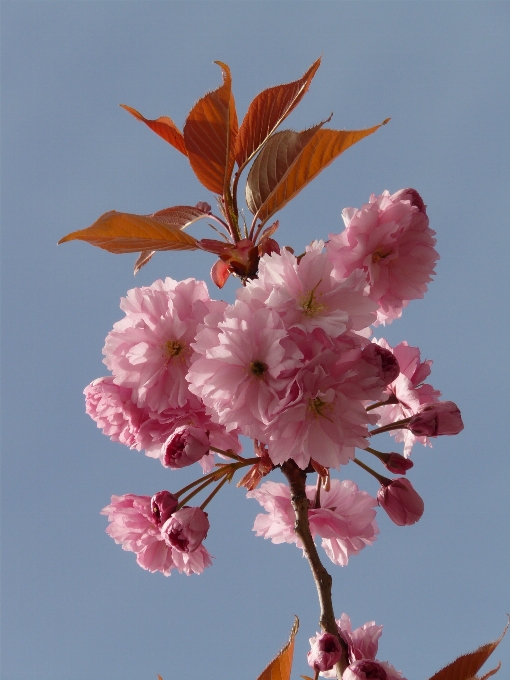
[402, 503]
[325, 652]
[345, 521]
[437, 419]
[135, 523]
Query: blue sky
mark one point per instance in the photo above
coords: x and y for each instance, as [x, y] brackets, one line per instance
[74, 604]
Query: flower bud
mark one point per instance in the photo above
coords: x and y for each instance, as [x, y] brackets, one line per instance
[396, 463]
[186, 529]
[413, 196]
[402, 503]
[325, 652]
[185, 446]
[384, 360]
[163, 504]
[365, 670]
[432, 420]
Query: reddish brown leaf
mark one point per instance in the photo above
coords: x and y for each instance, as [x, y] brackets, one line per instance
[126, 233]
[467, 666]
[318, 152]
[266, 112]
[492, 672]
[306, 677]
[273, 163]
[143, 258]
[280, 668]
[210, 132]
[164, 127]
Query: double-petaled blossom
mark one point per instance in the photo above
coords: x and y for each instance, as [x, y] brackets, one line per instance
[137, 523]
[186, 529]
[407, 393]
[434, 420]
[325, 652]
[402, 503]
[345, 519]
[306, 296]
[389, 239]
[149, 350]
[239, 365]
[177, 436]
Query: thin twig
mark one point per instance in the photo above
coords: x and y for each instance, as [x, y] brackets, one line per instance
[323, 581]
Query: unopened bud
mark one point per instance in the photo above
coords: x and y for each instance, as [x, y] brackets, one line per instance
[163, 504]
[325, 652]
[396, 463]
[384, 360]
[402, 503]
[435, 419]
[186, 529]
[185, 446]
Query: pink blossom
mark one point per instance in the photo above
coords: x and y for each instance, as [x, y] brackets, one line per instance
[389, 239]
[434, 420]
[402, 503]
[238, 365]
[325, 652]
[186, 529]
[135, 523]
[132, 524]
[185, 446]
[345, 519]
[406, 393]
[110, 406]
[396, 463]
[149, 350]
[363, 642]
[306, 296]
[322, 413]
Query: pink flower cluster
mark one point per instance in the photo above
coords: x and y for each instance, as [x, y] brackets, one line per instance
[362, 643]
[345, 519]
[389, 239]
[162, 537]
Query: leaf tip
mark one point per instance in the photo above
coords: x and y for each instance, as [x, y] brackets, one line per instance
[386, 121]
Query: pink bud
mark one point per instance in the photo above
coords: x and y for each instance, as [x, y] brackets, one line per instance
[186, 529]
[397, 464]
[442, 417]
[365, 670]
[325, 652]
[402, 503]
[383, 360]
[184, 447]
[410, 195]
[163, 504]
[202, 205]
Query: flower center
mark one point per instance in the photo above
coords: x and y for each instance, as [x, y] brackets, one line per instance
[309, 303]
[380, 254]
[319, 408]
[258, 368]
[174, 349]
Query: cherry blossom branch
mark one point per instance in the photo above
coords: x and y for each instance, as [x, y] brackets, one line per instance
[323, 581]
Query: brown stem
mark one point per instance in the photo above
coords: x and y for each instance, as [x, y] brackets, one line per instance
[323, 581]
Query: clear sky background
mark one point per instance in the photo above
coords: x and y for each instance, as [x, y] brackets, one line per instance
[74, 604]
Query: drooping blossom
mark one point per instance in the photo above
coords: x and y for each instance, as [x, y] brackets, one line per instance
[407, 393]
[402, 503]
[149, 350]
[186, 529]
[110, 406]
[238, 366]
[325, 652]
[305, 295]
[163, 505]
[389, 239]
[396, 463]
[132, 524]
[433, 420]
[345, 520]
[135, 523]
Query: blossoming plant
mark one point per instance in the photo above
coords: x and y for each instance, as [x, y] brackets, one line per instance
[291, 364]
